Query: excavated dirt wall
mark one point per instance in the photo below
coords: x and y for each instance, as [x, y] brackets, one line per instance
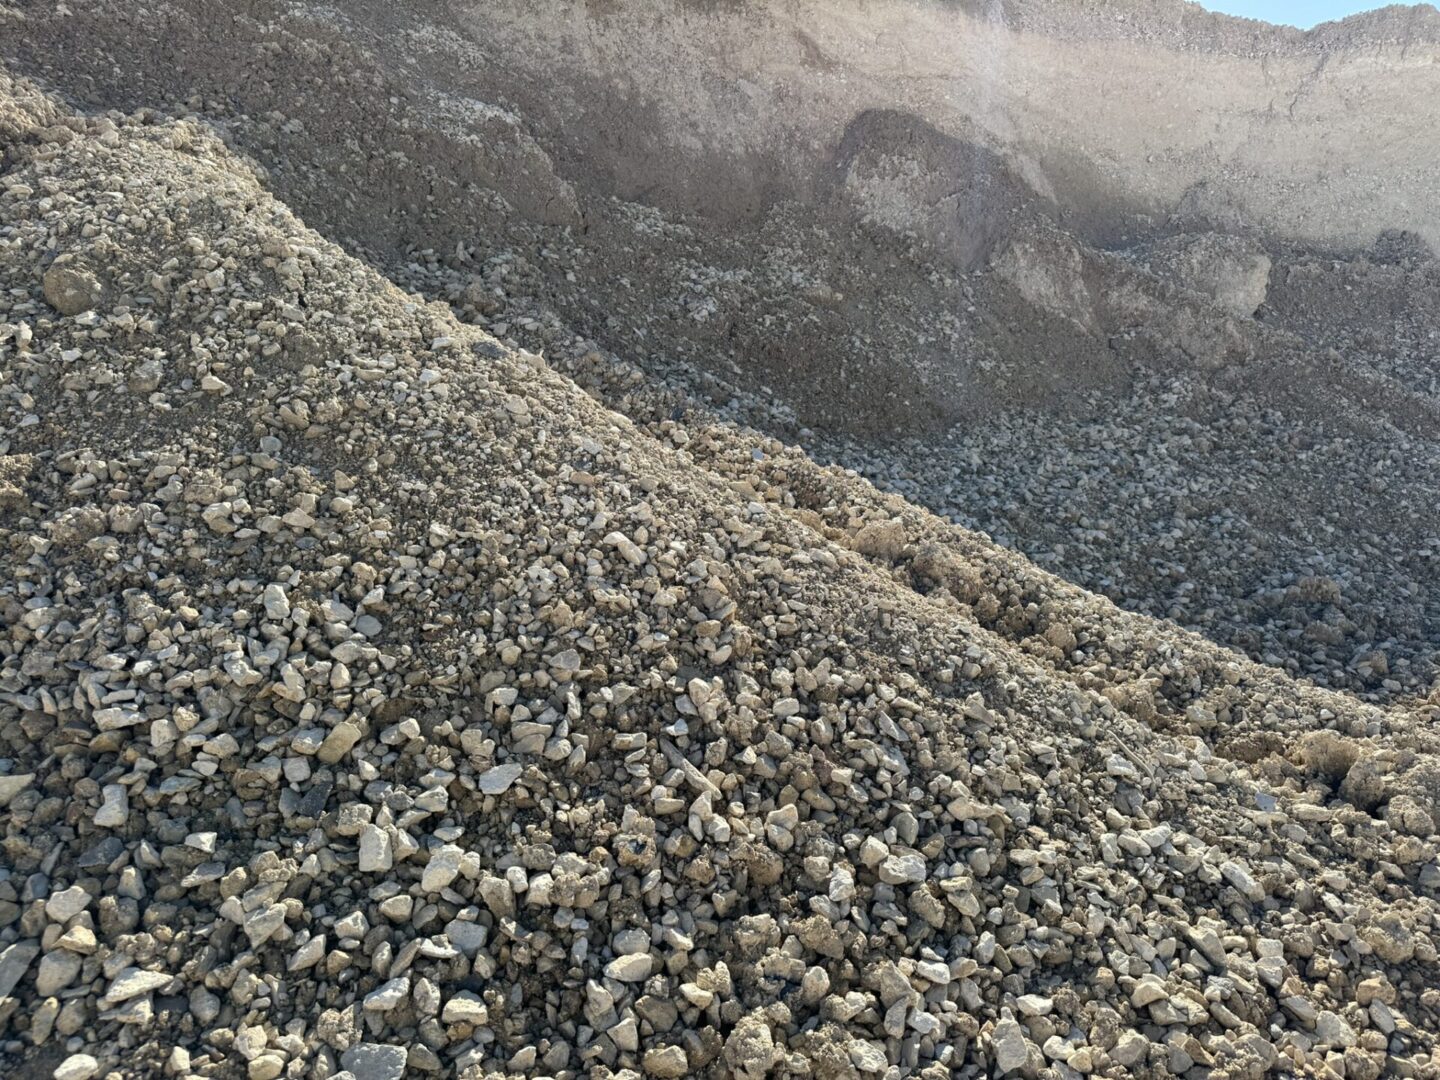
[1327, 138]
[1125, 120]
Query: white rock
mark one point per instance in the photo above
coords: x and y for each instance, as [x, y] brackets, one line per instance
[15, 959]
[277, 604]
[66, 904]
[1331, 1029]
[263, 923]
[132, 982]
[566, 662]
[58, 969]
[442, 869]
[631, 968]
[76, 1067]
[866, 1056]
[906, 869]
[375, 854]
[1150, 988]
[10, 786]
[625, 1035]
[388, 996]
[114, 808]
[628, 549]
[307, 955]
[468, 937]
[497, 781]
[1130, 1049]
[375, 1061]
[630, 942]
[465, 1008]
[933, 971]
[1035, 1005]
[110, 719]
[1010, 1046]
[873, 851]
[1243, 881]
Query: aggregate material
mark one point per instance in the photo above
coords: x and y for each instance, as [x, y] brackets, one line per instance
[494, 658]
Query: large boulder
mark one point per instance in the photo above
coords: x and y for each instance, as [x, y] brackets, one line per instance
[71, 288]
[1048, 268]
[1230, 271]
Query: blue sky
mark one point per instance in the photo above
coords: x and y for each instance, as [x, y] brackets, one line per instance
[1302, 13]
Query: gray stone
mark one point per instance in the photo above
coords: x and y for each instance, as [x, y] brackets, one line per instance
[1243, 880]
[867, 1056]
[58, 969]
[1011, 1048]
[312, 804]
[903, 869]
[1332, 1030]
[102, 854]
[277, 604]
[114, 808]
[631, 968]
[389, 995]
[10, 786]
[629, 942]
[1035, 1005]
[1149, 989]
[375, 854]
[442, 869]
[468, 937]
[76, 1067]
[14, 960]
[375, 1061]
[466, 1008]
[71, 289]
[66, 904]
[668, 1062]
[264, 923]
[339, 742]
[1130, 1049]
[132, 982]
[497, 781]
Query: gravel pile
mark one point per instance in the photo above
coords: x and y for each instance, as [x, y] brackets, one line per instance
[1146, 420]
[1283, 506]
[376, 701]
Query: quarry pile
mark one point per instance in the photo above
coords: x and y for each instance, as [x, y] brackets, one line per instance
[985, 254]
[375, 700]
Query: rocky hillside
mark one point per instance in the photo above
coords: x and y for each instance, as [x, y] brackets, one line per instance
[374, 700]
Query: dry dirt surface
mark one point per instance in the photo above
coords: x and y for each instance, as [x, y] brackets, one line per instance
[467, 612]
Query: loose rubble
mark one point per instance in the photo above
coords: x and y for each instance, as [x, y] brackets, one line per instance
[375, 700]
[1137, 406]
